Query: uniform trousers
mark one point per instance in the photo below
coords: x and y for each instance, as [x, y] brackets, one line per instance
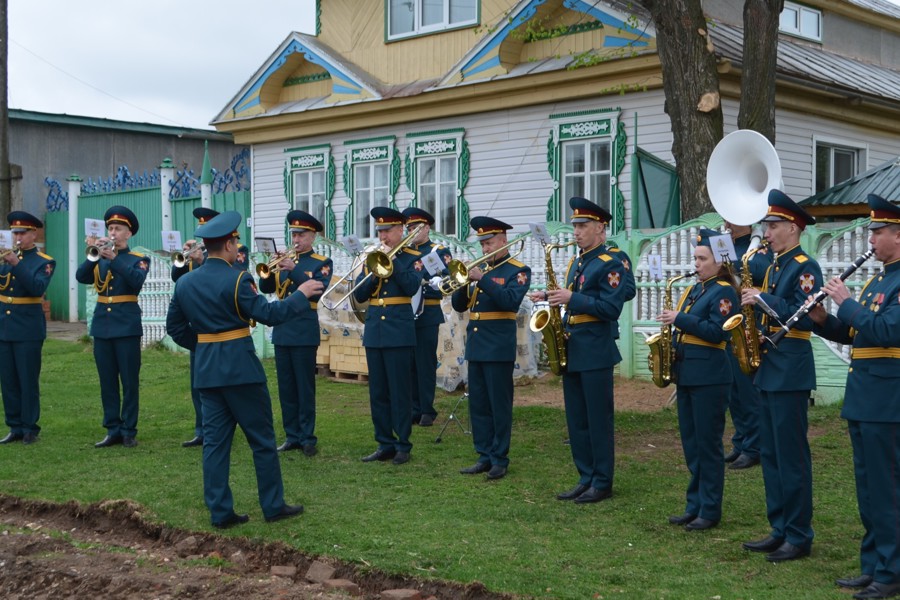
[119, 359]
[20, 372]
[195, 400]
[701, 421]
[743, 404]
[390, 396]
[490, 409]
[787, 465]
[425, 371]
[876, 464]
[296, 368]
[249, 406]
[591, 422]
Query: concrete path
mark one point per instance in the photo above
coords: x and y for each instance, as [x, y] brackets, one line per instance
[70, 332]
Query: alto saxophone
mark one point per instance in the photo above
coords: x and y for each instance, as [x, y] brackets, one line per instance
[745, 340]
[660, 344]
[548, 321]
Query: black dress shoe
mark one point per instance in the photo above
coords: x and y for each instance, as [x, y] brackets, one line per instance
[593, 495]
[426, 421]
[496, 472]
[744, 462]
[879, 590]
[288, 510]
[855, 582]
[401, 458]
[416, 419]
[11, 437]
[231, 520]
[310, 450]
[110, 440]
[699, 524]
[29, 438]
[479, 467]
[574, 492]
[197, 440]
[129, 442]
[288, 446]
[787, 551]
[768, 544]
[733, 455]
[682, 519]
[381, 454]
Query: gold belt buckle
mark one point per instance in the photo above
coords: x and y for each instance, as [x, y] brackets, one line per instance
[9, 299]
[381, 302]
[476, 316]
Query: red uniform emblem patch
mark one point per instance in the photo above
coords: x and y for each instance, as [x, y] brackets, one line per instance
[142, 265]
[807, 281]
[48, 269]
[447, 258]
[613, 279]
[725, 306]
[241, 258]
[499, 280]
[626, 263]
[308, 274]
[418, 266]
[581, 281]
[522, 278]
[326, 270]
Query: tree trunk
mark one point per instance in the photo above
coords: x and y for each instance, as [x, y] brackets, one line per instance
[691, 86]
[759, 57]
[5, 183]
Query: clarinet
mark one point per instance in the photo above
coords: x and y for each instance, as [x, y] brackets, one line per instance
[817, 299]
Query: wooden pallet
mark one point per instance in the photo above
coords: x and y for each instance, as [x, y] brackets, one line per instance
[349, 377]
[323, 370]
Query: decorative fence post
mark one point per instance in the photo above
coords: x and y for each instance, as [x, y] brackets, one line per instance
[74, 253]
[206, 179]
[166, 176]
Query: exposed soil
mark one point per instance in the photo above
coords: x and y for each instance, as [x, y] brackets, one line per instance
[632, 395]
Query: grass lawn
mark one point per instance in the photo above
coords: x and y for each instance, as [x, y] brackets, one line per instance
[424, 519]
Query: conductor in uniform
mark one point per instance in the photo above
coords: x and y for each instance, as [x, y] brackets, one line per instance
[786, 376]
[297, 340]
[211, 313]
[389, 338]
[428, 323]
[492, 299]
[872, 401]
[117, 276]
[594, 293]
[24, 276]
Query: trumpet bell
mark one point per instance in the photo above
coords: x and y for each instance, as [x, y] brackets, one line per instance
[178, 260]
[92, 253]
[741, 171]
[263, 270]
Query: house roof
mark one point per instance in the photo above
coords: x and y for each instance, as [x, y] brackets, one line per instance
[883, 180]
[880, 6]
[16, 114]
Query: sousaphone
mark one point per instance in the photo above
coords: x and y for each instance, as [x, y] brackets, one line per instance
[741, 171]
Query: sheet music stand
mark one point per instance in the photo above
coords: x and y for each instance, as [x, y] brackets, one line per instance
[452, 418]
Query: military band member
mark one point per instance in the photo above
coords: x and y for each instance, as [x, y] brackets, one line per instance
[785, 378]
[493, 299]
[297, 340]
[872, 401]
[428, 322]
[595, 291]
[210, 313]
[389, 338]
[117, 277]
[25, 273]
[703, 373]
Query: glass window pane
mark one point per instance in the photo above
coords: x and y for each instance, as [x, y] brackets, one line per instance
[428, 199]
[318, 207]
[823, 168]
[844, 165]
[810, 21]
[790, 19]
[448, 168]
[362, 213]
[462, 11]
[318, 182]
[381, 175]
[426, 170]
[600, 156]
[301, 183]
[432, 12]
[574, 159]
[402, 17]
[600, 190]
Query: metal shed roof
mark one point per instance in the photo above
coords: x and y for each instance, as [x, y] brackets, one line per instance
[883, 180]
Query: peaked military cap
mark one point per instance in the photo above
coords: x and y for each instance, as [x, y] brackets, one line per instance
[584, 211]
[883, 212]
[385, 217]
[299, 220]
[414, 214]
[702, 237]
[20, 221]
[220, 226]
[782, 208]
[487, 227]
[123, 216]
[203, 214]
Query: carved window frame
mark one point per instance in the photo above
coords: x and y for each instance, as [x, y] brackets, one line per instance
[436, 144]
[369, 151]
[308, 159]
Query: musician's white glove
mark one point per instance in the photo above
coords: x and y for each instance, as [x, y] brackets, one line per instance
[435, 282]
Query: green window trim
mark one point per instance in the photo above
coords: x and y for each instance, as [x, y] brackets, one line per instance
[428, 144]
[370, 150]
[584, 125]
[310, 158]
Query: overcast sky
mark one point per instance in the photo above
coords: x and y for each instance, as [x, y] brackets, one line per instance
[167, 62]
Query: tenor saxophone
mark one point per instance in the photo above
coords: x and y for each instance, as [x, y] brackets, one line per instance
[745, 340]
[548, 321]
[660, 344]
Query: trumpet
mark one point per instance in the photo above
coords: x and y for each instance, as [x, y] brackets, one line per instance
[92, 252]
[264, 270]
[378, 262]
[459, 271]
[4, 252]
[179, 259]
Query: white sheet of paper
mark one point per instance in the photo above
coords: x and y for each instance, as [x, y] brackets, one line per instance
[352, 244]
[654, 261]
[433, 263]
[722, 248]
[266, 245]
[171, 241]
[539, 231]
[94, 227]
[6, 239]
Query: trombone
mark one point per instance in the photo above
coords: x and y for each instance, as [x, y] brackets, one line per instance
[265, 270]
[92, 252]
[179, 259]
[459, 271]
[378, 262]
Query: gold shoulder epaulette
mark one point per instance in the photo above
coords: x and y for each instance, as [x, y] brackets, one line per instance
[42, 255]
[612, 249]
[605, 257]
[801, 258]
[516, 263]
[724, 283]
[319, 256]
[413, 252]
[138, 254]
